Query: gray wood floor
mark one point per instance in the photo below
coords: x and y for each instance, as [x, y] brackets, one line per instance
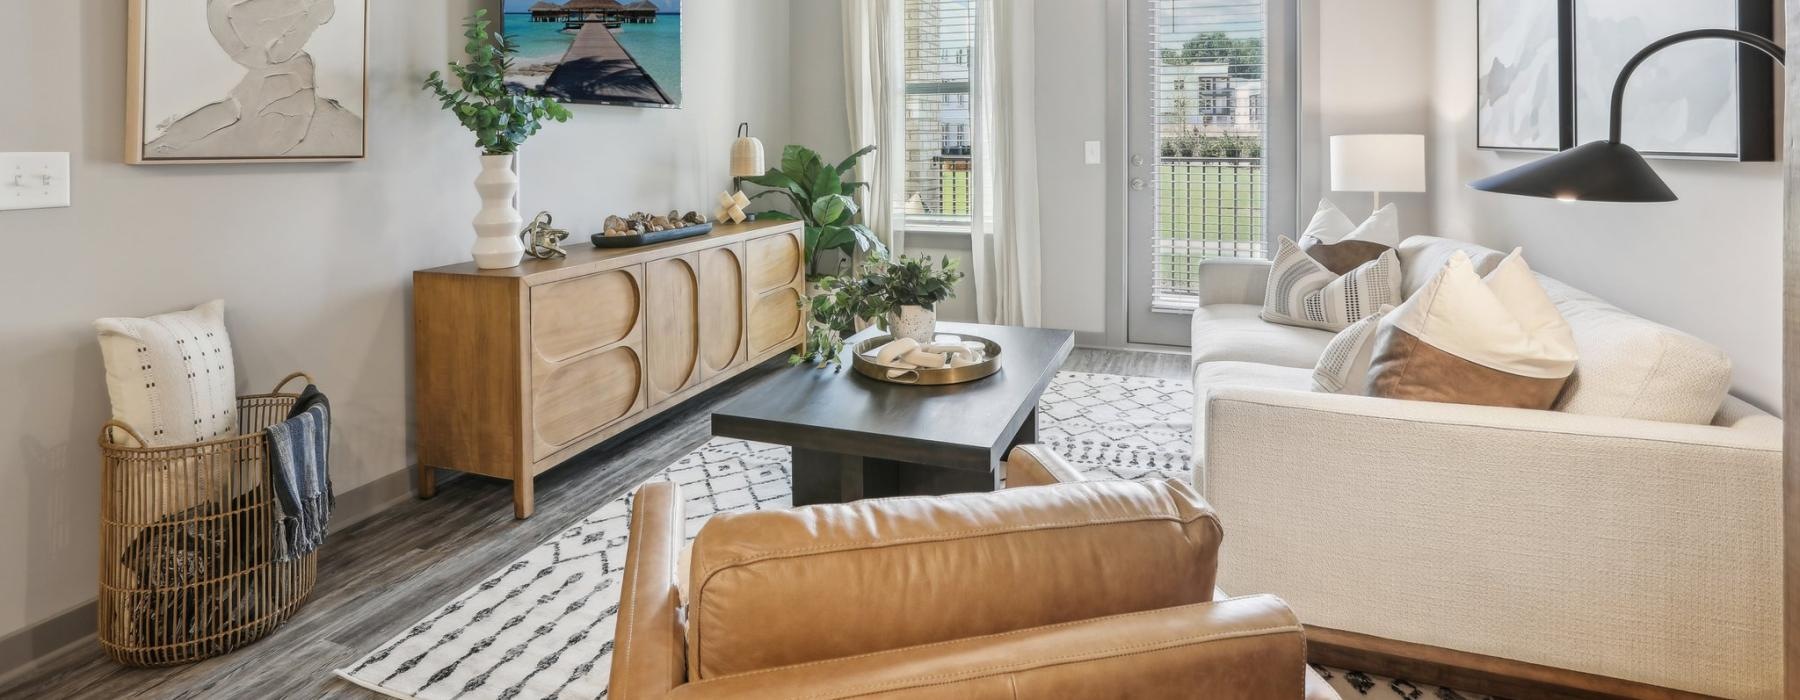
[383, 573]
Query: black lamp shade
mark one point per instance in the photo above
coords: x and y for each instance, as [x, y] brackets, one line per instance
[1602, 171]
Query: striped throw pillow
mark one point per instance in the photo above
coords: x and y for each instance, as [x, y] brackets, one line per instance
[1303, 292]
[1344, 365]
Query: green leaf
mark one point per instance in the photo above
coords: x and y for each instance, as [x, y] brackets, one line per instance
[776, 179]
[830, 210]
[794, 159]
[773, 215]
[850, 163]
[826, 183]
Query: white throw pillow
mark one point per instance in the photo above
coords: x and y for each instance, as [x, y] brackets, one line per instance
[1344, 365]
[1330, 226]
[171, 377]
[1303, 292]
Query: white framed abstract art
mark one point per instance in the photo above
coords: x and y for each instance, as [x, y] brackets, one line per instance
[1702, 99]
[242, 81]
[1522, 77]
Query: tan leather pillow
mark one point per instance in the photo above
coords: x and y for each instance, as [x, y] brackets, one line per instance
[1497, 341]
[773, 588]
[1342, 257]
[1342, 245]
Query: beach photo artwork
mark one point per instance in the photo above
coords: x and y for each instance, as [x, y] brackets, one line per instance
[247, 81]
[620, 52]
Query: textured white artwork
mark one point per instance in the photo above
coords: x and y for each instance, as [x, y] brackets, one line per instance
[251, 79]
[1683, 100]
[1519, 75]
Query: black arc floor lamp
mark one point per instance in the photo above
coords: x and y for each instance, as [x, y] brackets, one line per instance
[1610, 171]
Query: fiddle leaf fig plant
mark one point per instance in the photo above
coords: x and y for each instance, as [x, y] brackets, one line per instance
[501, 119]
[822, 199]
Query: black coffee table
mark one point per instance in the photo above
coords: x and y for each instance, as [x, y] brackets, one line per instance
[855, 437]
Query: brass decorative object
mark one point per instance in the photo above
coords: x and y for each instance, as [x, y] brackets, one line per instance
[188, 569]
[541, 241]
[872, 368]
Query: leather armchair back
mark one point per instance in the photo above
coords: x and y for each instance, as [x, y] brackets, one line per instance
[776, 588]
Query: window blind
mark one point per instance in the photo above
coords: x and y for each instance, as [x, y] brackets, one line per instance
[939, 49]
[1206, 72]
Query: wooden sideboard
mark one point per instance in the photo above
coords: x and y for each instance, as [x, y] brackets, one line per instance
[517, 370]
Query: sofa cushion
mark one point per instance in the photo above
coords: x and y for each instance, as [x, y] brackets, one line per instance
[1236, 332]
[1422, 256]
[780, 587]
[1634, 368]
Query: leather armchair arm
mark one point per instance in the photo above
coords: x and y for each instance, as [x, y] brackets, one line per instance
[649, 651]
[1036, 465]
[1250, 647]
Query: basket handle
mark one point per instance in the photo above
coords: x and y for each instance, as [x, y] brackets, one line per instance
[106, 433]
[291, 377]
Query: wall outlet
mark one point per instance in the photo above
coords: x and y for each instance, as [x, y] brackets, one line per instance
[34, 180]
[1091, 150]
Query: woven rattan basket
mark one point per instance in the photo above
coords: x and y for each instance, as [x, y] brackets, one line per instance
[187, 565]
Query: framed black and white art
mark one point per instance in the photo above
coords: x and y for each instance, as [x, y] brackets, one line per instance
[1708, 98]
[240, 81]
[1522, 80]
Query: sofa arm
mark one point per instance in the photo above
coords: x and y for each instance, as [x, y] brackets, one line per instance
[1248, 647]
[1037, 465]
[649, 656]
[1631, 549]
[1232, 280]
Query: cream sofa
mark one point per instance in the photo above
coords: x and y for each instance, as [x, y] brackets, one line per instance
[1604, 537]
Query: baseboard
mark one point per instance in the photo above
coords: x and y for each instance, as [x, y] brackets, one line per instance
[1468, 672]
[21, 651]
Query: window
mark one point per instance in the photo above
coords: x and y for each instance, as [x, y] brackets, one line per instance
[940, 41]
[1206, 88]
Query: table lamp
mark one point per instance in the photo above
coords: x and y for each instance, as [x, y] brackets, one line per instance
[1378, 163]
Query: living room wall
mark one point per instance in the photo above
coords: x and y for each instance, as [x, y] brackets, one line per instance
[1709, 264]
[314, 261]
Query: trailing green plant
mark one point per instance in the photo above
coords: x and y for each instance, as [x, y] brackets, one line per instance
[501, 119]
[822, 199]
[883, 286]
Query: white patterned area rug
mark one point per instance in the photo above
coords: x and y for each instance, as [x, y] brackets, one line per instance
[542, 627]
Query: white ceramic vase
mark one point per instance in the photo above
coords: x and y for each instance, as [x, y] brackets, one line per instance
[497, 227]
[916, 322]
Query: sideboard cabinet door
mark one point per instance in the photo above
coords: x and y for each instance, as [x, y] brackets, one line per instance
[587, 366]
[776, 283]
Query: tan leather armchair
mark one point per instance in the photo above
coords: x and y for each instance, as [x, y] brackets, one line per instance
[1071, 590]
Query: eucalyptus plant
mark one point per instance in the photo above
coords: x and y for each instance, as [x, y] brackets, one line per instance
[913, 281]
[844, 303]
[501, 119]
[822, 199]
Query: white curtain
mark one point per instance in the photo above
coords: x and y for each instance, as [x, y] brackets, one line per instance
[875, 76]
[1004, 237]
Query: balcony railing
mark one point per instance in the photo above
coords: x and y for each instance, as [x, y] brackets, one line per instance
[1205, 208]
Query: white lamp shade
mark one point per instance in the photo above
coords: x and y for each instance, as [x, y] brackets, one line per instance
[1378, 163]
[746, 157]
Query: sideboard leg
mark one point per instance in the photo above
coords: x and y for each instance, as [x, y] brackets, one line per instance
[524, 501]
[427, 482]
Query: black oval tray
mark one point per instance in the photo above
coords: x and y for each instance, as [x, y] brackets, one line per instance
[602, 240]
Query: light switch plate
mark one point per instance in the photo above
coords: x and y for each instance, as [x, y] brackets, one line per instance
[1092, 151]
[34, 180]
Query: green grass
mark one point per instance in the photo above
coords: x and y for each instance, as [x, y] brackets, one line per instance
[1216, 206]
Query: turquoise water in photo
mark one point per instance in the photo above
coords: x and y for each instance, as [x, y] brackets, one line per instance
[657, 47]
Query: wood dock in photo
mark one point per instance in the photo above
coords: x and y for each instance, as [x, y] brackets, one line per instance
[598, 68]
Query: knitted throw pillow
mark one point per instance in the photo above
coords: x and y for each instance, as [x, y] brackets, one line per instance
[1303, 292]
[1341, 246]
[1344, 365]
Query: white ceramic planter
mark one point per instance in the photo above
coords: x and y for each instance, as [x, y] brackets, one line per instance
[916, 322]
[497, 227]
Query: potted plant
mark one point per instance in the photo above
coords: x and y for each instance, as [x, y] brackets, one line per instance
[910, 289]
[501, 120]
[904, 291]
[822, 200]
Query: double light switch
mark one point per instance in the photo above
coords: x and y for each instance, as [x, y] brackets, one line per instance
[34, 180]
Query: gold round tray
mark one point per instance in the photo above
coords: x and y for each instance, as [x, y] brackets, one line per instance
[869, 367]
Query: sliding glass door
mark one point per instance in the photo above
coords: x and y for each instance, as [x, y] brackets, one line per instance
[1212, 129]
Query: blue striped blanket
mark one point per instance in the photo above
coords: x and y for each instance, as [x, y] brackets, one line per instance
[300, 473]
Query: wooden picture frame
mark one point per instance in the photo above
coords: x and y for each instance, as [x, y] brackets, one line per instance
[1564, 93]
[212, 140]
[1754, 87]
